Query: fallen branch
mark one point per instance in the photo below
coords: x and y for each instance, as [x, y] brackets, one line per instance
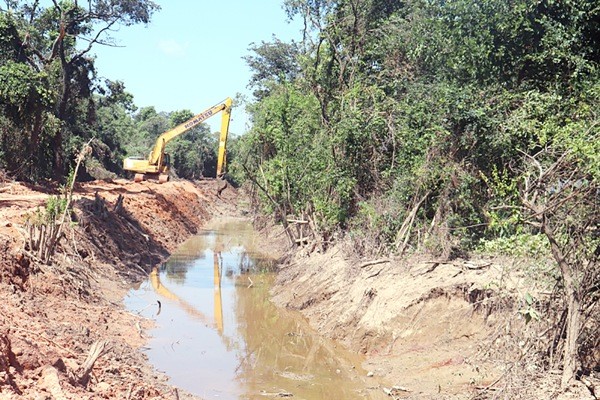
[374, 262]
[142, 270]
[297, 221]
[375, 274]
[474, 267]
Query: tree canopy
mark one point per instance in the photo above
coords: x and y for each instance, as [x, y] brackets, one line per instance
[47, 77]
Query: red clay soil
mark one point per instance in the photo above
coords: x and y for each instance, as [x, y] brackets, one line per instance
[53, 317]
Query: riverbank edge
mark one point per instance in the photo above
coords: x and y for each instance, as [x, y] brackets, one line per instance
[53, 316]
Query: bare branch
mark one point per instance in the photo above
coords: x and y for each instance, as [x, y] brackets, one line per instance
[33, 10]
[95, 39]
[534, 161]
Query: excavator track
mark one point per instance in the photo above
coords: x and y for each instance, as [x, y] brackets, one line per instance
[162, 178]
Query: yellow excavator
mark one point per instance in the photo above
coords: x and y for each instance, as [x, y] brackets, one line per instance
[158, 163]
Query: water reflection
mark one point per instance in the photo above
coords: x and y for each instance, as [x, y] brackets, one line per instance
[218, 335]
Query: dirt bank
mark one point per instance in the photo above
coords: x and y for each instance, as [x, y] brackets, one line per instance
[435, 329]
[52, 316]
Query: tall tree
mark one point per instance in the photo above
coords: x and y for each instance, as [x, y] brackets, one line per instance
[55, 41]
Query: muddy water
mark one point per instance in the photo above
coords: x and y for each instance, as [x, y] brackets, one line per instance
[218, 336]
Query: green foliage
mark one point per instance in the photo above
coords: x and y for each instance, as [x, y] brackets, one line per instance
[527, 245]
[20, 86]
[193, 154]
[272, 62]
[529, 312]
[299, 167]
[52, 211]
[149, 126]
[47, 82]
[417, 115]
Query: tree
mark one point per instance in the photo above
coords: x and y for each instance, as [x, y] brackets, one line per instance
[114, 126]
[562, 201]
[26, 105]
[47, 40]
[272, 62]
[560, 193]
[149, 125]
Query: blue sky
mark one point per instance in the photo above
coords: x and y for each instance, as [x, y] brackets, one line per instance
[190, 55]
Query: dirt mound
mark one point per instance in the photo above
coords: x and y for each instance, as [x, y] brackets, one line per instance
[53, 317]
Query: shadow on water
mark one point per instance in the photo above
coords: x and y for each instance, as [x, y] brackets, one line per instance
[218, 335]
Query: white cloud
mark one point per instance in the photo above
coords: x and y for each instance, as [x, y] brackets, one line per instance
[173, 48]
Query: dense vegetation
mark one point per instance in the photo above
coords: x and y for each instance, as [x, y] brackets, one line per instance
[51, 101]
[444, 126]
[389, 109]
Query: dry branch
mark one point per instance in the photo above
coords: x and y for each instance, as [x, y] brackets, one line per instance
[82, 376]
[118, 208]
[403, 234]
[43, 236]
[374, 262]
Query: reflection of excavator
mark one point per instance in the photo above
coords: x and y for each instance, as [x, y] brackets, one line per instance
[218, 302]
[190, 309]
[157, 164]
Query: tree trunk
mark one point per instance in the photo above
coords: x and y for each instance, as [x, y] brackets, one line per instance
[59, 166]
[57, 141]
[573, 325]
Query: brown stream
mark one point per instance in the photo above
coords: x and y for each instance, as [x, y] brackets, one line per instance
[218, 336]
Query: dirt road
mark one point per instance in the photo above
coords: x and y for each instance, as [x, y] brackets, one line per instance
[51, 316]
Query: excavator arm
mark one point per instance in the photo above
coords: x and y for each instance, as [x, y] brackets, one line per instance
[222, 155]
[157, 165]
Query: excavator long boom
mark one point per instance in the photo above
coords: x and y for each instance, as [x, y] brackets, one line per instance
[157, 165]
[222, 155]
[171, 134]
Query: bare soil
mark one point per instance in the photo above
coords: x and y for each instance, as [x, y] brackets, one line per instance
[429, 329]
[432, 329]
[52, 315]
